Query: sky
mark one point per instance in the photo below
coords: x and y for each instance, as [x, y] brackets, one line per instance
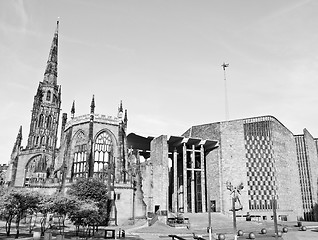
[163, 60]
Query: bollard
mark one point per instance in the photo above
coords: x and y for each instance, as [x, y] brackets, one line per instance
[221, 236]
[279, 234]
[263, 231]
[251, 235]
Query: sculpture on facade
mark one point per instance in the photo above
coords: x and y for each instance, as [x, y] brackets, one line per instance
[235, 192]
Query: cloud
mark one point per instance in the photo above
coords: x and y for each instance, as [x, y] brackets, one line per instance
[21, 12]
[286, 10]
[14, 16]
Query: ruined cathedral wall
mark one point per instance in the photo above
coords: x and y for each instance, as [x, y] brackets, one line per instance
[146, 171]
[24, 158]
[124, 202]
[68, 151]
[159, 158]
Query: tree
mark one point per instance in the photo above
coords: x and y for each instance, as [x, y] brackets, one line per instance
[86, 214]
[16, 203]
[45, 207]
[94, 190]
[89, 188]
[62, 205]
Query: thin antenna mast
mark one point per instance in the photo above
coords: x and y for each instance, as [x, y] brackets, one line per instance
[225, 65]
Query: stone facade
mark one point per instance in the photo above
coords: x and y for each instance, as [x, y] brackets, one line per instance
[260, 153]
[307, 157]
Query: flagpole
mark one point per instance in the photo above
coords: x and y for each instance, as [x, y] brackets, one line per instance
[225, 65]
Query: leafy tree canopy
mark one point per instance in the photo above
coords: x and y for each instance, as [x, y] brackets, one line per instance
[89, 189]
[17, 202]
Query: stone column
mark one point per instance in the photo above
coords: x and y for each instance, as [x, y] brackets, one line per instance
[185, 197]
[175, 181]
[193, 198]
[203, 178]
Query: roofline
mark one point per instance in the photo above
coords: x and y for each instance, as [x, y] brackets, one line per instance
[250, 118]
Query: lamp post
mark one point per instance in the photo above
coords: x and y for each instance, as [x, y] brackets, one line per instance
[209, 211]
[274, 204]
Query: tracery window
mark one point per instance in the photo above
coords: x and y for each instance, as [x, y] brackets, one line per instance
[47, 141]
[49, 122]
[80, 156]
[103, 154]
[48, 95]
[41, 119]
[34, 141]
[42, 141]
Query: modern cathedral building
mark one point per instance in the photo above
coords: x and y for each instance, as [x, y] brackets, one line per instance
[270, 161]
[152, 177]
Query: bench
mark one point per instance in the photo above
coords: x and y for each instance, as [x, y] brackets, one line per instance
[173, 237]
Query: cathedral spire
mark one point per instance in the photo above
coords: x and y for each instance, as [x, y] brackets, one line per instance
[73, 110]
[126, 117]
[17, 144]
[120, 110]
[92, 105]
[50, 75]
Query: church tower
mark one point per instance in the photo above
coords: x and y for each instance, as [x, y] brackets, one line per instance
[34, 164]
[46, 106]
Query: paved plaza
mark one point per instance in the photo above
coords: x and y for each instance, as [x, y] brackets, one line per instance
[198, 225]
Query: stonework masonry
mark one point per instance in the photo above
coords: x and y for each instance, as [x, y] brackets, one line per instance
[159, 158]
[261, 153]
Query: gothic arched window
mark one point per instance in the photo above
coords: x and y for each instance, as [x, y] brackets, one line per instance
[49, 122]
[103, 154]
[37, 141]
[47, 141]
[42, 141]
[80, 153]
[48, 95]
[41, 119]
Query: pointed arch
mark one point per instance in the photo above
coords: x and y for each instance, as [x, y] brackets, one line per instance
[104, 154]
[34, 141]
[49, 122]
[47, 141]
[48, 95]
[79, 142]
[41, 120]
[37, 141]
[35, 169]
[41, 141]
